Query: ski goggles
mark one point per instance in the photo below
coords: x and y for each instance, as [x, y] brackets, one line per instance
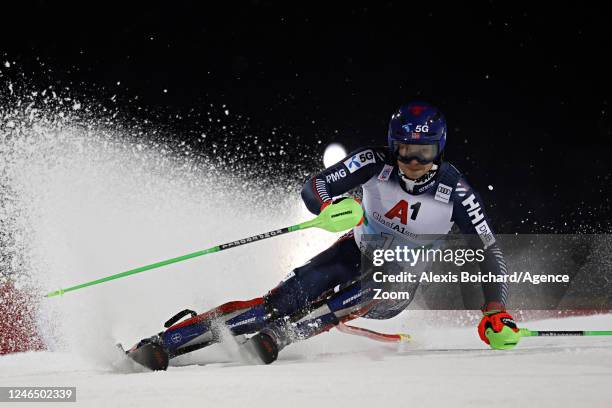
[422, 153]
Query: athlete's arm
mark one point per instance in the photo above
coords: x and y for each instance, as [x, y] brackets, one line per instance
[470, 217]
[350, 172]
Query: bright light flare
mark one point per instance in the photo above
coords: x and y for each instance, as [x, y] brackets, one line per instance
[333, 154]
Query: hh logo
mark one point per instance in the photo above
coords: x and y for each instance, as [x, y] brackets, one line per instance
[474, 211]
[401, 209]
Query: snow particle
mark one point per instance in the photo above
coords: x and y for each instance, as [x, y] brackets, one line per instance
[490, 187]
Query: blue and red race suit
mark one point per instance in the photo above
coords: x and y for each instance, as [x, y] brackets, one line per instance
[331, 288]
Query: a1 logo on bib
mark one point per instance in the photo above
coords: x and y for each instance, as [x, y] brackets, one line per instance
[359, 160]
[401, 209]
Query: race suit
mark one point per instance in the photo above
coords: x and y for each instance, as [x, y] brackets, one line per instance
[331, 287]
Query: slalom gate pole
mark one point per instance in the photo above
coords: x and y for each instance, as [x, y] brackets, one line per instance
[374, 335]
[337, 217]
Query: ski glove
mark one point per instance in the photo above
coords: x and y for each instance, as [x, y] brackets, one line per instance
[337, 200]
[495, 317]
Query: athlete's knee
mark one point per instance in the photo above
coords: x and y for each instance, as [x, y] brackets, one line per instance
[287, 297]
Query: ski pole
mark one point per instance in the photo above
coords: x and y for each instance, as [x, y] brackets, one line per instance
[508, 338]
[338, 217]
[544, 333]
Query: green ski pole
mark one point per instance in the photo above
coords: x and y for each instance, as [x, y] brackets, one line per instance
[546, 333]
[337, 217]
[508, 338]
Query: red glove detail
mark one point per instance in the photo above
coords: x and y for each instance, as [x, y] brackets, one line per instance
[325, 204]
[359, 201]
[495, 317]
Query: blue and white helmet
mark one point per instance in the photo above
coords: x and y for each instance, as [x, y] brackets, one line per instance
[419, 124]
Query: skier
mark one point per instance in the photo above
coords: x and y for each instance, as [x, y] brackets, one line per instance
[411, 196]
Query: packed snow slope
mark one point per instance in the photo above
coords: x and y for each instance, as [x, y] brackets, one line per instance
[444, 367]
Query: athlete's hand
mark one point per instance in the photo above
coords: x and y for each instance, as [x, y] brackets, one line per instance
[337, 200]
[334, 201]
[495, 317]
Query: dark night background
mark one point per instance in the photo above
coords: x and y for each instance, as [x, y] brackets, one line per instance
[525, 90]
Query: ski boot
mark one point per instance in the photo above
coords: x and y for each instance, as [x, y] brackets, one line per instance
[150, 353]
[262, 348]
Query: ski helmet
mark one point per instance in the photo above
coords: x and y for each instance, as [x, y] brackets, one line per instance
[421, 126]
